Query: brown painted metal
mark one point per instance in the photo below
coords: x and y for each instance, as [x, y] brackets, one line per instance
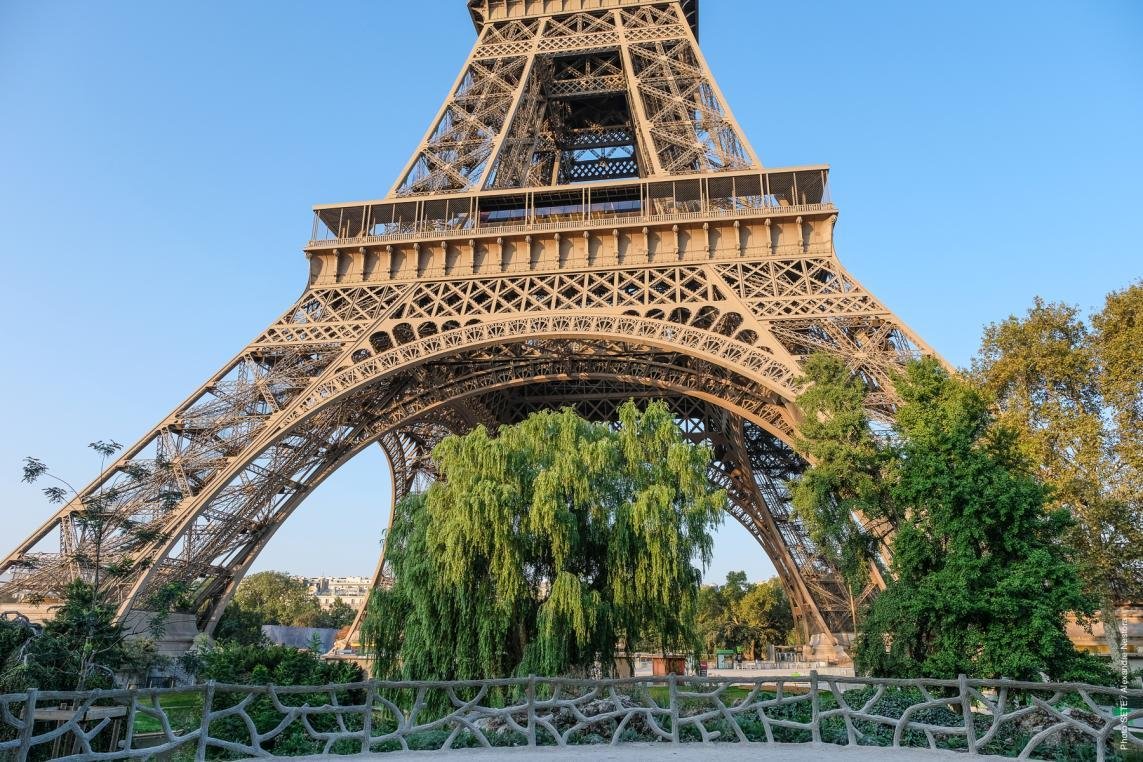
[584, 222]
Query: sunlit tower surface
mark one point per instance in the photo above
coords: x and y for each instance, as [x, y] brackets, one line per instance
[584, 222]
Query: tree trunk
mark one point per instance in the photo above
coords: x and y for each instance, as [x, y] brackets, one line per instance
[1111, 634]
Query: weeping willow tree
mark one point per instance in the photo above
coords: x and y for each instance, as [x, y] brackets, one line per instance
[547, 549]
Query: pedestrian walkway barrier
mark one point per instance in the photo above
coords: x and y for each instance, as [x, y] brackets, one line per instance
[1024, 719]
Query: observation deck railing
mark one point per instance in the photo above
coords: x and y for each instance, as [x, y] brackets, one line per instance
[975, 716]
[782, 192]
[473, 228]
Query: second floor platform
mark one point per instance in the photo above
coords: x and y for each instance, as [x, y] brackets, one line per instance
[787, 192]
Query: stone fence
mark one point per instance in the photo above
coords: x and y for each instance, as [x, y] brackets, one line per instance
[1022, 719]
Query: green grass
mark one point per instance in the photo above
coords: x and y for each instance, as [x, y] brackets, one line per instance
[184, 710]
[732, 695]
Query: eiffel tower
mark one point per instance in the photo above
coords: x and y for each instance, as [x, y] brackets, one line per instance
[584, 222]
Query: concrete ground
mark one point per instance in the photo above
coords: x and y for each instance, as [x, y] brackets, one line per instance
[749, 673]
[637, 752]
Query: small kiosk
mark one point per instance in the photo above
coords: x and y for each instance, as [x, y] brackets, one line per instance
[724, 659]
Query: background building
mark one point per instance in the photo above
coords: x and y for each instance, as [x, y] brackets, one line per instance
[352, 590]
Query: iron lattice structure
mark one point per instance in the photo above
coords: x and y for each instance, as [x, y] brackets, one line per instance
[584, 222]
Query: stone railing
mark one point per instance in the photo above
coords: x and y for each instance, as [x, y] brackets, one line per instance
[974, 716]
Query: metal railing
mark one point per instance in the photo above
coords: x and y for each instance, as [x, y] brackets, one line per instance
[975, 716]
[471, 227]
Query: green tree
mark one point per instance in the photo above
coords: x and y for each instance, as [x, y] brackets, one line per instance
[742, 615]
[81, 647]
[339, 614]
[1118, 341]
[1119, 345]
[84, 644]
[277, 598]
[847, 479]
[717, 621]
[981, 583]
[766, 616]
[711, 610]
[272, 664]
[15, 631]
[555, 545]
[1074, 397]
[237, 626]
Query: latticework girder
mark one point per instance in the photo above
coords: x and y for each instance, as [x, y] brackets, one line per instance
[614, 90]
[583, 223]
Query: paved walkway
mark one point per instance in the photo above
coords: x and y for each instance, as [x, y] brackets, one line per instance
[696, 752]
[749, 673]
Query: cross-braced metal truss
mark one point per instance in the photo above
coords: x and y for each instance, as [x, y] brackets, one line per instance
[664, 263]
[614, 90]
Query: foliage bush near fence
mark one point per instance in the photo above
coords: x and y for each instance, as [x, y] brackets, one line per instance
[1037, 720]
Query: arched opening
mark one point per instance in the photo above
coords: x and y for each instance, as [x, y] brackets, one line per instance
[481, 387]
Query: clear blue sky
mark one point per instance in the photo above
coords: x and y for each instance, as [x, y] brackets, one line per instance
[158, 162]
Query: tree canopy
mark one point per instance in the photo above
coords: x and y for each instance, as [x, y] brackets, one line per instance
[274, 597]
[547, 549]
[980, 581]
[80, 647]
[84, 645]
[1073, 395]
[847, 477]
[278, 598]
[744, 615]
